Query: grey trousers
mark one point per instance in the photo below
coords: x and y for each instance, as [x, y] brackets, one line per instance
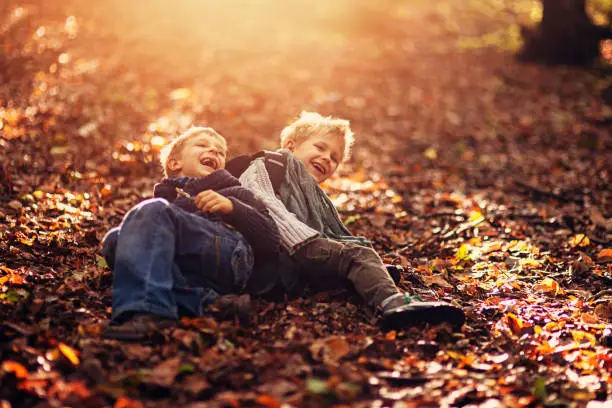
[325, 264]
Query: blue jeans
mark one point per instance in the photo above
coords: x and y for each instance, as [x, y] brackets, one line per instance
[169, 262]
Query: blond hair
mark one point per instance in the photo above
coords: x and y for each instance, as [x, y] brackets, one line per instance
[311, 124]
[175, 147]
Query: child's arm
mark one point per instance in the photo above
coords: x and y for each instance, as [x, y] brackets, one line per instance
[210, 201]
[293, 232]
[244, 212]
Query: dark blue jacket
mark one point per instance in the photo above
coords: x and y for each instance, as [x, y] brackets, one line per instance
[249, 216]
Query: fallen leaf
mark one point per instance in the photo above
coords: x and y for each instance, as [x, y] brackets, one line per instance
[579, 240]
[580, 337]
[164, 373]
[517, 326]
[316, 386]
[330, 349]
[550, 286]
[529, 263]
[15, 205]
[16, 368]
[498, 359]
[71, 354]
[463, 253]
[195, 384]
[430, 280]
[125, 402]
[599, 220]
[268, 401]
[431, 153]
[378, 220]
[605, 255]
[539, 388]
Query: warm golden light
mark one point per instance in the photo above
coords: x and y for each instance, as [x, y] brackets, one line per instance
[209, 25]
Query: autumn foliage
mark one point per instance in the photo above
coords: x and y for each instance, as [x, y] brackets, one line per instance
[486, 179]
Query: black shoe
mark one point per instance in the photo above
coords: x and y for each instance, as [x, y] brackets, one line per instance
[138, 327]
[230, 306]
[420, 313]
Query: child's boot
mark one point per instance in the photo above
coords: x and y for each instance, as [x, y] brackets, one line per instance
[137, 327]
[401, 311]
[230, 306]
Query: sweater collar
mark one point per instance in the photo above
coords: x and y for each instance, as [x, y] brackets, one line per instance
[193, 185]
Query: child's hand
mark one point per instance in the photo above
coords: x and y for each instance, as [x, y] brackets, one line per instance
[211, 202]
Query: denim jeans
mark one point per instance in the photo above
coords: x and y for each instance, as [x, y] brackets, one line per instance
[326, 264]
[169, 262]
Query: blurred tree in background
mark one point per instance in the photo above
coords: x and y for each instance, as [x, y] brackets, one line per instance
[566, 34]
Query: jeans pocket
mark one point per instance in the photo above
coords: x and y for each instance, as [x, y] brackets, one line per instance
[242, 264]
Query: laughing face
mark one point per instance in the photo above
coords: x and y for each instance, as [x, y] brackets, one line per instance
[320, 154]
[199, 156]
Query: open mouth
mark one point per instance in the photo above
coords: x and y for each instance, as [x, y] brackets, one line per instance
[209, 163]
[318, 167]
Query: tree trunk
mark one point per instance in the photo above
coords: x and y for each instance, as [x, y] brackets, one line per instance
[566, 35]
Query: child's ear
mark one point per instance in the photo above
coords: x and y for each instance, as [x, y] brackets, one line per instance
[290, 145]
[174, 165]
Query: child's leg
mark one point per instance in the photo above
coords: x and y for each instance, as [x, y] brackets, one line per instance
[109, 246]
[360, 265]
[365, 270]
[166, 259]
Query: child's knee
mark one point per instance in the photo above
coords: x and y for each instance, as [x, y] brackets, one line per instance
[361, 252]
[149, 209]
[154, 205]
[109, 246]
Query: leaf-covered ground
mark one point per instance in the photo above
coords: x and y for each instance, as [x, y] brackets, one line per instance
[486, 179]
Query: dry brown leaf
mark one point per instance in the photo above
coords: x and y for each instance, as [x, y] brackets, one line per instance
[430, 280]
[164, 373]
[330, 349]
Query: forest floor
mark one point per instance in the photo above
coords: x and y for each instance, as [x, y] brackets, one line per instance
[484, 177]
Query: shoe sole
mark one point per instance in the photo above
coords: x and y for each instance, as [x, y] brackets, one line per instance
[419, 315]
[136, 335]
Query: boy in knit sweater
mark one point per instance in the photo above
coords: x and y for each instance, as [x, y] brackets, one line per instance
[202, 235]
[318, 245]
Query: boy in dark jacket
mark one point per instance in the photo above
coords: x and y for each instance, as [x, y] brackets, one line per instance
[202, 235]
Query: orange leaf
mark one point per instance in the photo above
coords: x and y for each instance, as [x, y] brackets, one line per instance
[268, 401]
[516, 324]
[530, 263]
[330, 349]
[125, 402]
[550, 286]
[605, 255]
[70, 353]
[16, 368]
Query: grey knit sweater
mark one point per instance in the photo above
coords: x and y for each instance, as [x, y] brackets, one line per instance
[293, 232]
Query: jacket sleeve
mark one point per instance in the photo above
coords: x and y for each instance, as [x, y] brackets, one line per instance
[251, 217]
[292, 231]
